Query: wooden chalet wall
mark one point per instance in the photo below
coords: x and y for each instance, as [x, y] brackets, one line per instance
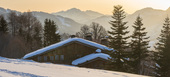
[71, 51]
[97, 63]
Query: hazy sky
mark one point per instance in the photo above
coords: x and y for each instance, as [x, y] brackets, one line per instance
[102, 6]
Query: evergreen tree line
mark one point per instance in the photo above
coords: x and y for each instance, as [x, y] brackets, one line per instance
[134, 56]
[22, 33]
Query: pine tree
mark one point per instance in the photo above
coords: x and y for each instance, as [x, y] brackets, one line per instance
[57, 35]
[118, 39]
[46, 31]
[50, 35]
[54, 33]
[3, 25]
[139, 45]
[37, 37]
[162, 57]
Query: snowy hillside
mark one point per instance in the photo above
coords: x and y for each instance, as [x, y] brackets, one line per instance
[28, 68]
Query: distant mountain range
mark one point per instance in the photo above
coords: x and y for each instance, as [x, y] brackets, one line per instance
[71, 20]
[66, 25]
[78, 15]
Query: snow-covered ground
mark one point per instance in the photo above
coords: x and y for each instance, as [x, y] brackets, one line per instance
[28, 68]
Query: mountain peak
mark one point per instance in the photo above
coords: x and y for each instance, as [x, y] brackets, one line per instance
[168, 10]
[90, 11]
[147, 8]
[79, 15]
[74, 9]
[151, 9]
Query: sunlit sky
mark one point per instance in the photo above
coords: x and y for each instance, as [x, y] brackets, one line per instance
[101, 6]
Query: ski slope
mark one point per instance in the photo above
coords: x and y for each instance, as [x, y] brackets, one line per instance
[28, 68]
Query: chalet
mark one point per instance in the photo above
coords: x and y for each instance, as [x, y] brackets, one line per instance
[73, 51]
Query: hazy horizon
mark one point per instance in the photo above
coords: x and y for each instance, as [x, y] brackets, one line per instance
[102, 6]
[79, 9]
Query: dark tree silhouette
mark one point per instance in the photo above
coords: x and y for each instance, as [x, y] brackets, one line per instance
[3, 25]
[50, 35]
[162, 57]
[118, 39]
[139, 46]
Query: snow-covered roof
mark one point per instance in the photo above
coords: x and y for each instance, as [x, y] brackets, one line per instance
[99, 50]
[40, 51]
[90, 57]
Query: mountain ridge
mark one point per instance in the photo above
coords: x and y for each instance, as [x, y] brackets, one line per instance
[78, 15]
[41, 16]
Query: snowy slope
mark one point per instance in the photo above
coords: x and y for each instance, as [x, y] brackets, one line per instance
[27, 68]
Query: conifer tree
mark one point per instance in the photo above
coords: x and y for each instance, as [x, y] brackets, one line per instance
[50, 35]
[54, 33]
[37, 37]
[139, 45]
[162, 57]
[3, 25]
[46, 31]
[118, 39]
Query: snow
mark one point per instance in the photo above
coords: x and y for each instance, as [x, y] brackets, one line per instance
[40, 51]
[157, 65]
[90, 57]
[106, 36]
[25, 68]
[98, 50]
[121, 60]
[8, 11]
[63, 21]
[127, 59]
[57, 32]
